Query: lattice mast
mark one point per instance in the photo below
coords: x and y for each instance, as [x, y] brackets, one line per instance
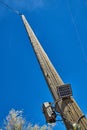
[67, 107]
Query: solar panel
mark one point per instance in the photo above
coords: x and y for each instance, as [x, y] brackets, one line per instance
[64, 91]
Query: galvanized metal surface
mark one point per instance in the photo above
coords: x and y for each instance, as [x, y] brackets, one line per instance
[68, 108]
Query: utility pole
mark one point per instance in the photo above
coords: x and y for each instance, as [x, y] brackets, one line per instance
[64, 101]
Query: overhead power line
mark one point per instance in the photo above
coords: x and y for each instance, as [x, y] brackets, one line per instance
[10, 8]
[77, 31]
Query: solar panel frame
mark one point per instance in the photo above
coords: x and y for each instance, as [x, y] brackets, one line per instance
[64, 91]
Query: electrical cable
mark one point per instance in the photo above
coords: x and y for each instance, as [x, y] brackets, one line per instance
[10, 8]
[77, 32]
[60, 120]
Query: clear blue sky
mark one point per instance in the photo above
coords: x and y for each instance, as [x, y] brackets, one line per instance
[61, 27]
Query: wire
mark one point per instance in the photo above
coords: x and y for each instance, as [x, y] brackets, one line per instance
[60, 120]
[10, 8]
[77, 32]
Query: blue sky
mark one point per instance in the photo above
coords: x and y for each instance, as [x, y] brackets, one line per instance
[61, 27]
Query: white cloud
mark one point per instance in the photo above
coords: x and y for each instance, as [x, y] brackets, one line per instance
[28, 4]
[21, 6]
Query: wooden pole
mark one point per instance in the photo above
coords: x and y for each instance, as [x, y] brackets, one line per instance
[68, 108]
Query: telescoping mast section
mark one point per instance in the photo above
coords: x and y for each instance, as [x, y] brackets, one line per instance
[65, 104]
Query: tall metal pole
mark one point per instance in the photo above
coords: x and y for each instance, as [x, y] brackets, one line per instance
[68, 108]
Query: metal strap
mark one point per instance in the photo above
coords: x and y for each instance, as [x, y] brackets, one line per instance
[80, 118]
